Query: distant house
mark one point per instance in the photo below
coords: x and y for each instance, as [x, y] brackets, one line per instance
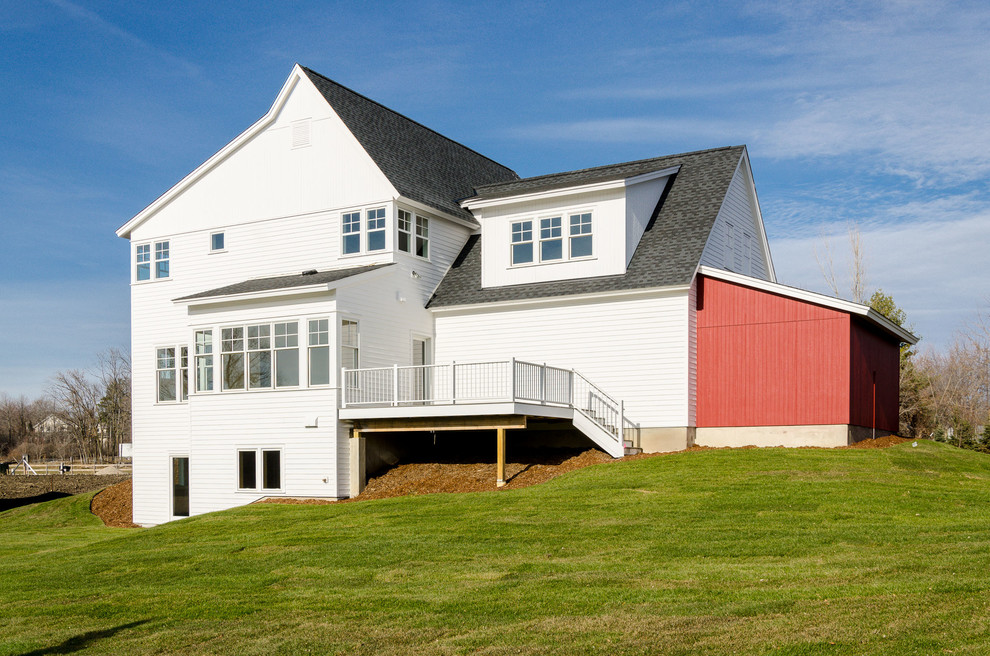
[51, 424]
[339, 276]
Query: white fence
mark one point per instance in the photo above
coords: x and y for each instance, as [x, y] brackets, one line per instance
[482, 382]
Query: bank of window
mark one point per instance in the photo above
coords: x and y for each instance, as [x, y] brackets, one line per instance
[166, 374]
[142, 256]
[581, 235]
[522, 242]
[551, 239]
[351, 228]
[423, 237]
[262, 466]
[350, 348]
[405, 231]
[376, 229]
[319, 351]
[203, 356]
[260, 356]
[161, 259]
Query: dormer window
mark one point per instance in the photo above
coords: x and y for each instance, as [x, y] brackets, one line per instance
[522, 242]
[551, 239]
[581, 235]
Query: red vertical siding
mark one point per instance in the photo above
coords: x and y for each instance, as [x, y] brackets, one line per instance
[872, 352]
[769, 360]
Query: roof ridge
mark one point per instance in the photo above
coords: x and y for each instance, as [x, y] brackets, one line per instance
[403, 116]
[606, 166]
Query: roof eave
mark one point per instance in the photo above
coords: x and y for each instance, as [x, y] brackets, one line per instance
[812, 297]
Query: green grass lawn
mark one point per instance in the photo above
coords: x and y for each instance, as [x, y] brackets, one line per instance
[769, 551]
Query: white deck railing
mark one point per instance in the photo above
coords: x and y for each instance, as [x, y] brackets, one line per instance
[482, 382]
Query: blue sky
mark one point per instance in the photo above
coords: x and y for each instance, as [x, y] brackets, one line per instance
[874, 113]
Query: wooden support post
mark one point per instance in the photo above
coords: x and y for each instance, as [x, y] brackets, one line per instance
[501, 458]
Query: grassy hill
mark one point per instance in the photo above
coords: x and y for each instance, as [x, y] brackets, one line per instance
[779, 551]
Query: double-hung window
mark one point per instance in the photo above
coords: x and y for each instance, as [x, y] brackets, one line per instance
[422, 236]
[161, 259]
[287, 354]
[522, 242]
[551, 240]
[142, 256]
[405, 231]
[166, 374]
[319, 352]
[251, 468]
[204, 360]
[376, 229]
[259, 346]
[351, 230]
[232, 358]
[350, 347]
[184, 373]
[581, 235]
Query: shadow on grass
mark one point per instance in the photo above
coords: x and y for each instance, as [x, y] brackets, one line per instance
[8, 504]
[83, 640]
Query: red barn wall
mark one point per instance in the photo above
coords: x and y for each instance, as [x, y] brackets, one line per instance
[769, 360]
[873, 352]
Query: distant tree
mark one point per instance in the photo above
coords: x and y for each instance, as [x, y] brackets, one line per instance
[76, 396]
[857, 265]
[114, 408]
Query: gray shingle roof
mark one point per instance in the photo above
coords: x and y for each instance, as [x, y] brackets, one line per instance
[422, 165]
[667, 254]
[283, 282]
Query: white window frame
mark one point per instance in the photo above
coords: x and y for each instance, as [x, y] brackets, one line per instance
[310, 346]
[521, 241]
[375, 216]
[204, 351]
[223, 238]
[559, 237]
[259, 469]
[355, 347]
[571, 236]
[142, 258]
[421, 247]
[173, 368]
[347, 222]
[250, 344]
[409, 219]
[163, 255]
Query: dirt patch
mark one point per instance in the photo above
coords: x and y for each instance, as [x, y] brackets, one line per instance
[878, 443]
[114, 505]
[17, 487]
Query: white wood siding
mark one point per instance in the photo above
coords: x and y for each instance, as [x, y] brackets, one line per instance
[608, 224]
[738, 210]
[641, 200]
[636, 350]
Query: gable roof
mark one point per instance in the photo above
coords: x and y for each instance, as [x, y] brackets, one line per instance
[667, 255]
[276, 283]
[421, 164]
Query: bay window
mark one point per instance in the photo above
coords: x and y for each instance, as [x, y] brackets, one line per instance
[232, 358]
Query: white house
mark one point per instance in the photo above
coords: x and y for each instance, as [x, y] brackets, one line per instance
[339, 273]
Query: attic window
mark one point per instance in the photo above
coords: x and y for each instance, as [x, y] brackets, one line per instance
[300, 133]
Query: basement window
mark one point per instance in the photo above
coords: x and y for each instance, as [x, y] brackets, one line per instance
[259, 465]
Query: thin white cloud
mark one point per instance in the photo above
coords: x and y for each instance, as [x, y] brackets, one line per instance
[108, 28]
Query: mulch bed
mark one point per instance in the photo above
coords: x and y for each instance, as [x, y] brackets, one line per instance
[114, 505]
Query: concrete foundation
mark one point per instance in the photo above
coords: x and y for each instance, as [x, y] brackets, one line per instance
[358, 475]
[662, 439]
[831, 435]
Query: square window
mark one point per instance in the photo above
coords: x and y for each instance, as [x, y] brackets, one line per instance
[216, 241]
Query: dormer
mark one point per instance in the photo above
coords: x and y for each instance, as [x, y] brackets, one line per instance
[581, 224]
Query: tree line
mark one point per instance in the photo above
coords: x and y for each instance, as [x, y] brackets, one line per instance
[83, 414]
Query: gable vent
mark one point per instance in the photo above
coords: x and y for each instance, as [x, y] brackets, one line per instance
[300, 133]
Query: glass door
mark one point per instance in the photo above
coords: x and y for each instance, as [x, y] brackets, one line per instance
[180, 487]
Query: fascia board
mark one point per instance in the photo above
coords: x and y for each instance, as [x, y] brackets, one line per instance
[552, 300]
[221, 155]
[336, 285]
[811, 297]
[472, 204]
[423, 207]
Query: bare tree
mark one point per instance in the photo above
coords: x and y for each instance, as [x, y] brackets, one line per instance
[826, 263]
[76, 396]
[858, 282]
[114, 413]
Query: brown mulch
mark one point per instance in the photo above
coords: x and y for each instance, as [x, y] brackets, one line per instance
[114, 505]
[878, 443]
